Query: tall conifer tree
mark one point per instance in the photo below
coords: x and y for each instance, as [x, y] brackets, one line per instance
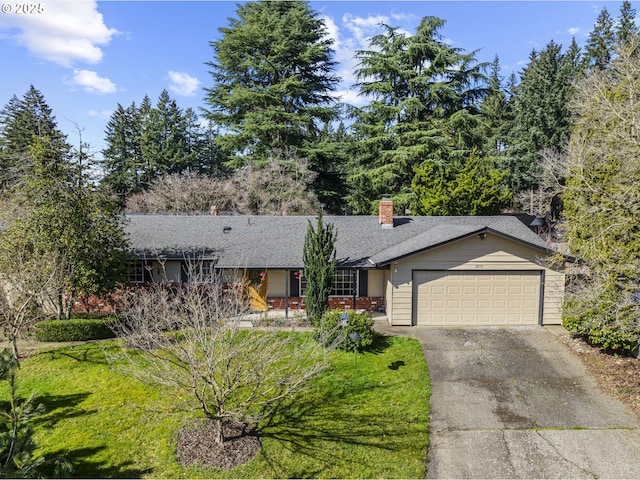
[273, 77]
[424, 107]
[23, 123]
[319, 257]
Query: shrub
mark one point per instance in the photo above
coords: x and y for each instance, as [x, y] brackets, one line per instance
[74, 330]
[606, 324]
[349, 330]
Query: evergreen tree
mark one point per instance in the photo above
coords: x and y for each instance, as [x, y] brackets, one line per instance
[319, 257]
[626, 30]
[123, 155]
[542, 119]
[146, 142]
[17, 445]
[164, 142]
[23, 122]
[54, 216]
[424, 106]
[328, 156]
[441, 190]
[600, 45]
[273, 76]
[602, 204]
[497, 116]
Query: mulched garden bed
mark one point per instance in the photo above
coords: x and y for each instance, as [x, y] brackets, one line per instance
[616, 375]
[196, 444]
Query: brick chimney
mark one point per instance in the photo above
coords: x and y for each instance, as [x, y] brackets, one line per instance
[385, 212]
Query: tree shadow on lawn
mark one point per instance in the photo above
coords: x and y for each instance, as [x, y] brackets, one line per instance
[56, 408]
[85, 467]
[310, 424]
[60, 407]
[91, 352]
[381, 342]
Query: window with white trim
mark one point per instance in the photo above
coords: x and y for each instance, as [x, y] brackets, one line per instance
[345, 283]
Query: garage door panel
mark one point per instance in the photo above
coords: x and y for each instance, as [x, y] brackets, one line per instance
[477, 298]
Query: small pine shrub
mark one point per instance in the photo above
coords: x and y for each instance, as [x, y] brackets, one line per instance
[348, 330]
[74, 330]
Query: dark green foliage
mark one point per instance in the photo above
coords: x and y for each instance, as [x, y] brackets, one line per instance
[73, 228]
[328, 156]
[17, 446]
[23, 122]
[122, 156]
[146, 142]
[600, 46]
[542, 119]
[319, 257]
[74, 330]
[424, 107]
[441, 190]
[349, 330]
[603, 324]
[497, 117]
[273, 75]
[627, 30]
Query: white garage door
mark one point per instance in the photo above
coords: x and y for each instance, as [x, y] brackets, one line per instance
[477, 298]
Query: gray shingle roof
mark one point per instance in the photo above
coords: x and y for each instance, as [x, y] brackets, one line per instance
[276, 242]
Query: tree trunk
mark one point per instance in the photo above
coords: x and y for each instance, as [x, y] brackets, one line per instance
[219, 432]
[13, 339]
[59, 307]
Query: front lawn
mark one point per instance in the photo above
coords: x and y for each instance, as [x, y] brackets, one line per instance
[366, 417]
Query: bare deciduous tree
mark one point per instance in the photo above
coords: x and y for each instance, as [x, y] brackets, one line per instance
[280, 186]
[550, 180]
[188, 337]
[25, 283]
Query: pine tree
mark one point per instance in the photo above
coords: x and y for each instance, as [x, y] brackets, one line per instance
[123, 163]
[328, 156]
[626, 30]
[319, 257]
[542, 119]
[497, 116]
[273, 78]
[23, 122]
[600, 45]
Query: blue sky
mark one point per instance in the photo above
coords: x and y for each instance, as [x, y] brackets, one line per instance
[87, 56]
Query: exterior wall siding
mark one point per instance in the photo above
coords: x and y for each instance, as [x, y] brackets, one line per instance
[491, 253]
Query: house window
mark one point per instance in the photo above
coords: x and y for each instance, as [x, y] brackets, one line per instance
[135, 271]
[345, 283]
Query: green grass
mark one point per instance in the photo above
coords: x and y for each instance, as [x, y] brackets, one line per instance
[366, 417]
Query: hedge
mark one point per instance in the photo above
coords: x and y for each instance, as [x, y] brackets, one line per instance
[74, 330]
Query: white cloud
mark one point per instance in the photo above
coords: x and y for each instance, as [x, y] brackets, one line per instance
[100, 114]
[64, 33]
[351, 97]
[91, 82]
[574, 31]
[183, 83]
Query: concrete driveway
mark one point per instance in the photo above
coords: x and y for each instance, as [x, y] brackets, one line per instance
[516, 403]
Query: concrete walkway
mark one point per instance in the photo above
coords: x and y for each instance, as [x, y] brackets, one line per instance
[516, 403]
